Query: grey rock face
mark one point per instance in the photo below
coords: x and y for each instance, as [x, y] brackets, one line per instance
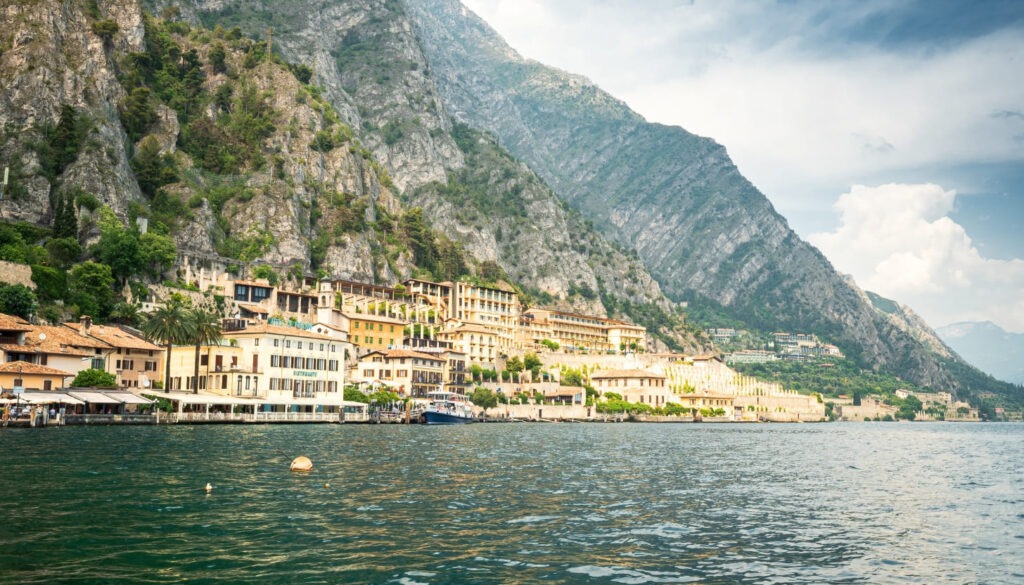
[54, 59]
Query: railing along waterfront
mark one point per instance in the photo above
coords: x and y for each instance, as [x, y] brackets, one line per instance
[261, 417]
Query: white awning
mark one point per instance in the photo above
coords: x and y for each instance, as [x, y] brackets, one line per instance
[48, 398]
[129, 398]
[94, 397]
[204, 398]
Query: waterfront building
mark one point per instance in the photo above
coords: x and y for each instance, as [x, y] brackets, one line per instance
[285, 367]
[289, 362]
[222, 370]
[406, 372]
[639, 386]
[711, 401]
[46, 345]
[136, 362]
[29, 376]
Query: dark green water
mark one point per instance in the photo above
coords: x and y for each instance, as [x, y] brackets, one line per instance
[562, 503]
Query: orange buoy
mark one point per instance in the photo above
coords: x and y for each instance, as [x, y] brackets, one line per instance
[302, 463]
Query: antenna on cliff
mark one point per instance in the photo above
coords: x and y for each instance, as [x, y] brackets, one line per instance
[270, 42]
[3, 189]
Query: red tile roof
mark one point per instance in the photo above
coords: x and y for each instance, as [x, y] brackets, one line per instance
[20, 367]
[13, 323]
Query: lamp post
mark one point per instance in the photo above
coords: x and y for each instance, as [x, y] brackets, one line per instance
[19, 389]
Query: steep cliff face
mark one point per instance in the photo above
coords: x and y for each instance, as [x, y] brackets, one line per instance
[51, 58]
[701, 228]
[366, 55]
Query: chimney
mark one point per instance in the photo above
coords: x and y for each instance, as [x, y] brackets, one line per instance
[86, 322]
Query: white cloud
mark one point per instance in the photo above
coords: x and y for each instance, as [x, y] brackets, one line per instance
[898, 240]
[803, 112]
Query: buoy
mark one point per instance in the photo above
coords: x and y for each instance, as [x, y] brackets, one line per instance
[302, 463]
[327, 484]
[209, 488]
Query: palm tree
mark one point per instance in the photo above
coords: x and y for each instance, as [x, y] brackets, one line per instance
[167, 325]
[204, 329]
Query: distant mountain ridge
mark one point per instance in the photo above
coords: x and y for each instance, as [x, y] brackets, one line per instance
[988, 347]
[708, 236]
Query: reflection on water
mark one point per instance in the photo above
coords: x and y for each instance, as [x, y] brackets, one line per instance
[615, 503]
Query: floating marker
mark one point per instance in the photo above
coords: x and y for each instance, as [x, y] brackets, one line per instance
[302, 463]
[209, 487]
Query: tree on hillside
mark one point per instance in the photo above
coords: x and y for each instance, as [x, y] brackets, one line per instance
[203, 329]
[152, 169]
[91, 287]
[167, 325]
[17, 299]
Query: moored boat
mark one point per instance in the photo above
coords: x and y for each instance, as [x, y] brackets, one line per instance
[447, 408]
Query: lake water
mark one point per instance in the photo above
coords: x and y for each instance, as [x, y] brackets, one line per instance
[499, 503]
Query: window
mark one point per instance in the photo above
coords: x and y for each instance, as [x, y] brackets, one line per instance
[277, 343]
[299, 345]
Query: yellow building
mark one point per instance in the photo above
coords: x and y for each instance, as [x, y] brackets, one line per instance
[374, 332]
[634, 386]
[222, 370]
[28, 376]
[493, 308]
[573, 331]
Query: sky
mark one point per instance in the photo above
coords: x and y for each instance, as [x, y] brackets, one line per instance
[889, 134]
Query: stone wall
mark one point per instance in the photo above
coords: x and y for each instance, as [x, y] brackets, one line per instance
[12, 273]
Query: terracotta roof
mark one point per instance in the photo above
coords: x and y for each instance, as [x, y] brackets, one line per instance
[403, 353]
[13, 323]
[116, 337]
[626, 374]
[20, 367]
[58, 335]
[50, 350]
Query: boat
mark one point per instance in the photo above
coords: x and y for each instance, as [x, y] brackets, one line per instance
[447, 408]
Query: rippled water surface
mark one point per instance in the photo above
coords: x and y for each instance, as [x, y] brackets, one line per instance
[498, 503]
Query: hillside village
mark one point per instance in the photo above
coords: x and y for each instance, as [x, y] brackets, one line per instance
[314, 350]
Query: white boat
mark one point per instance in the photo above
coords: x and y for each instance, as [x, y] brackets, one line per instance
[447, 408]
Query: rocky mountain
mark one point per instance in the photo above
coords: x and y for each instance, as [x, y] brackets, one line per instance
[226, 139]
[989, 347]
[707, 234]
